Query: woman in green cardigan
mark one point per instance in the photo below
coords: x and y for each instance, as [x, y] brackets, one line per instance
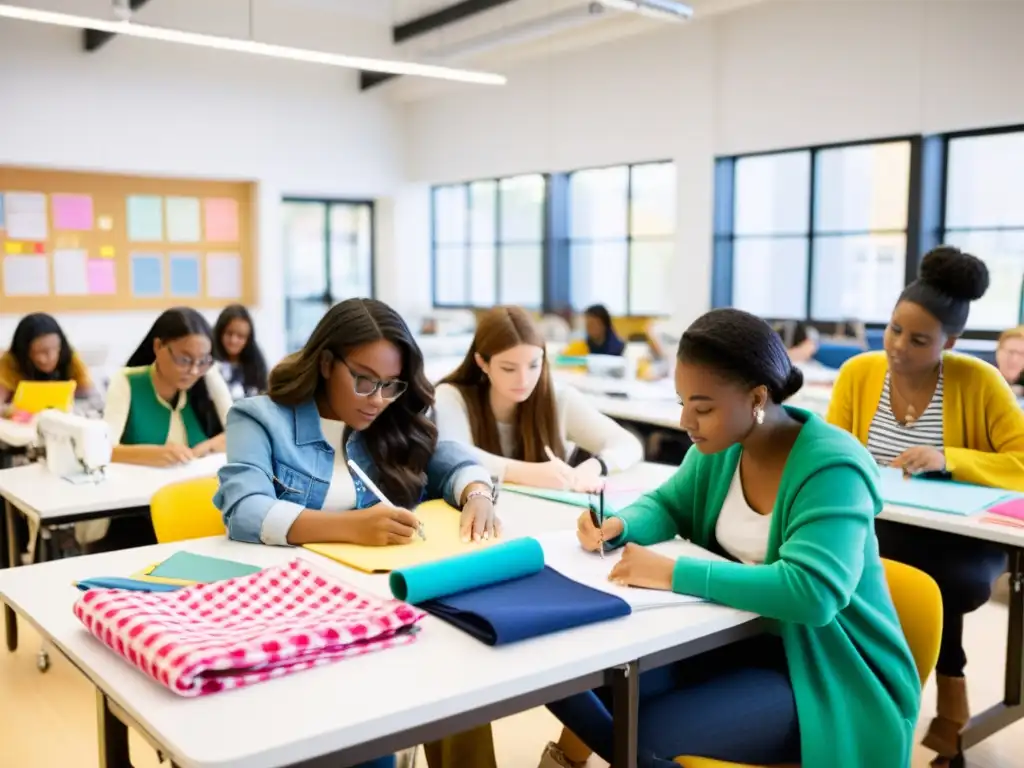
[791, 501]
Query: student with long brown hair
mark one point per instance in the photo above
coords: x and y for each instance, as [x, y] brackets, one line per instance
[502, 401]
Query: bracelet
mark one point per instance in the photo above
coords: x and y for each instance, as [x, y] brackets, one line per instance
[479, 494]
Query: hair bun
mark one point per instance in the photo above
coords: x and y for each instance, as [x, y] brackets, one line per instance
[954, 273]
[794, 381]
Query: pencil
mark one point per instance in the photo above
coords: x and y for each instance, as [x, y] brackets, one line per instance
[380, 494]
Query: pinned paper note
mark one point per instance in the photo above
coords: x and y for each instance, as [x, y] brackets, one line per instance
[184, 275]
[147, 275]
[72, 212]
[105, 223]
[106, 251]
[221, 219]
[223, 276]
[11, 247]
[26, 276]
[183, 219]
[101, 277]
[70, 276]
[25, 213]
[38, 247]
[145, 218]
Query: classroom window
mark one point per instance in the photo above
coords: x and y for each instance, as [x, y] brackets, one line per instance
[985, 217]
[328, 257]
[621, 237]
[819, 233]
[489, 242]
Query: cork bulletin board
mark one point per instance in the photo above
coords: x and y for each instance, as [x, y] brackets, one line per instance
[73, 241]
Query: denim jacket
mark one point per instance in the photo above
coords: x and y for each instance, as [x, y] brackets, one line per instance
[278, 464]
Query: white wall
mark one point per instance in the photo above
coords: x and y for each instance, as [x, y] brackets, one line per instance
[148, 108]
[774, 75]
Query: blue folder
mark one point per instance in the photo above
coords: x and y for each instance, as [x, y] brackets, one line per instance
[504, 594]
[938, 495]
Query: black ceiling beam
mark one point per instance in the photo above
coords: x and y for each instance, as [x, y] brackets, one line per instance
[94, 39]
[421, 25]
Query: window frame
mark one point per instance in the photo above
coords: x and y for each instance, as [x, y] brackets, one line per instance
[327, 297]
[724, 235]
[630, 238]
[498, 243]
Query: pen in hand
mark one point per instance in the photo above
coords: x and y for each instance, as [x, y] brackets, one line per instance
[597, 518]
[380, 494]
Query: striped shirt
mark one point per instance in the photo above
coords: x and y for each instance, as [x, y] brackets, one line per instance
[887, 438]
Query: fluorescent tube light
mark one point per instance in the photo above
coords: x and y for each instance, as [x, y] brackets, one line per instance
[130, 29]
[666, 10]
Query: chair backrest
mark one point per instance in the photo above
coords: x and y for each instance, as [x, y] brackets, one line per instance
[185, 510]
[919, 605]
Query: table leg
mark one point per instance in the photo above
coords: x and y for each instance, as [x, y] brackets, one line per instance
[13, 553]
[625, 685]
[113, 736]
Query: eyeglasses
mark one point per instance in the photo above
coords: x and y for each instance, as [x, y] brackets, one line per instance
[186, 363]
[367, 386]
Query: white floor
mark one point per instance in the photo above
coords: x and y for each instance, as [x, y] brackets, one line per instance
[48, 720]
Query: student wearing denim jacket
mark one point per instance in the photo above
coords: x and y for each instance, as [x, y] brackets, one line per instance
[355, 391]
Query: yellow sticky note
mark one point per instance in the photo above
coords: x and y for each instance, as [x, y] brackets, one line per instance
[107, 252]
[10, 247]
[105, 223]
[441, 526]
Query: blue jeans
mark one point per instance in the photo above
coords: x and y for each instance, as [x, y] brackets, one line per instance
[735, 704]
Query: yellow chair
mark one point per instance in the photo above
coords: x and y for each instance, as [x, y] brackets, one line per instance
[185, 511]
[919, 606]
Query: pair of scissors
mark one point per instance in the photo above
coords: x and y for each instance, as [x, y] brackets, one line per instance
[597, 517]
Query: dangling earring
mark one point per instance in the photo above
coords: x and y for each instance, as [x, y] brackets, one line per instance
[759, 415]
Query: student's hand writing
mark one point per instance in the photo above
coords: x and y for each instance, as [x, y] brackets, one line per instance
[213, 445]
[379, 525]
[554, 473]
[590, 536]
[479, 521]
[170, 455]
[920, 458]
[587, 477]
[640, 567]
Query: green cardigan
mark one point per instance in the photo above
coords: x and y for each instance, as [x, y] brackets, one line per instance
[856, 687]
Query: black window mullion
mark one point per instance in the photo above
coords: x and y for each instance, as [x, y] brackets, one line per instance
[467, 249]
[811, 211]
[328, 292]
[629, 240]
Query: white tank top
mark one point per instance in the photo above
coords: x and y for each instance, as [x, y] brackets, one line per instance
[742, 531]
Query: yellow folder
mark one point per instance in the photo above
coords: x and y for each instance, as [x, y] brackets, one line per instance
[441, 526]
[37, 396]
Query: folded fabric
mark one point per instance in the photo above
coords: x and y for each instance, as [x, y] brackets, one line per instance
[212, 637]
[535, 605]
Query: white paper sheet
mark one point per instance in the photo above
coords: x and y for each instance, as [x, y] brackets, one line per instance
[26, 276]
[223, 276]
[70, 272]
[562, 552]
[26, 216]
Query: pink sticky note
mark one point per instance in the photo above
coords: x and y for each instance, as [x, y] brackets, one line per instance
[72, 212]
[1013, 508]
[221, 216]
[100, 276]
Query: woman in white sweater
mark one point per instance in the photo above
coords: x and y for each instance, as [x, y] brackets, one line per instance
[502, 401]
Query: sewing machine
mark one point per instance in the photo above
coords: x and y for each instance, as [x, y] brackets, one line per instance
[77, 449]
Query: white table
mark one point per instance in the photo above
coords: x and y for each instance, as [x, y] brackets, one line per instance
[359, 708]
[1011, 709]
[47, 500]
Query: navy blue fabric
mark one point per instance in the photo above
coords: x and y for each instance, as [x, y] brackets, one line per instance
[612, 345]
[536, 605]
[734, 704]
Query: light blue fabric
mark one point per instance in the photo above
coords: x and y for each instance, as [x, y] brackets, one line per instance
[278, 463]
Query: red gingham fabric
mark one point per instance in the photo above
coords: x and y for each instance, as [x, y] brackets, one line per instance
[214, 637]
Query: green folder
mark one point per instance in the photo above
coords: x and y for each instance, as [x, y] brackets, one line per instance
[200, 569]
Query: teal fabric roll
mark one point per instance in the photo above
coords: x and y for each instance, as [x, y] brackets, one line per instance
[502, 562]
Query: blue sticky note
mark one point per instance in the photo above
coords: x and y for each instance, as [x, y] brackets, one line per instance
[147, 275]
[146, 218]
[937, 495]
[502, 562]
[185, 275]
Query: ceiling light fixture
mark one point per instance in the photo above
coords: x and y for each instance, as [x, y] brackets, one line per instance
[665, 10]
[131, 29]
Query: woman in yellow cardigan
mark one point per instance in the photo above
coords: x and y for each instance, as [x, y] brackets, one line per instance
[922, 408]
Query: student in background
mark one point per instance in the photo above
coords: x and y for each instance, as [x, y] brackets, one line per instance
[924, 409]
[791, 501]
[40, 352]
[357, 391]
[234, 345]
[501, 400]
[601, 336]
[801, 339]
[1010, 358]
[170, 404]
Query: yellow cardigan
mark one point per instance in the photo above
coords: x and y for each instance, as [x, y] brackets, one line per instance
[982, 424]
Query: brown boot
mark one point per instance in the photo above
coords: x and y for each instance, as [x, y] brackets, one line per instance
[952, 714]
